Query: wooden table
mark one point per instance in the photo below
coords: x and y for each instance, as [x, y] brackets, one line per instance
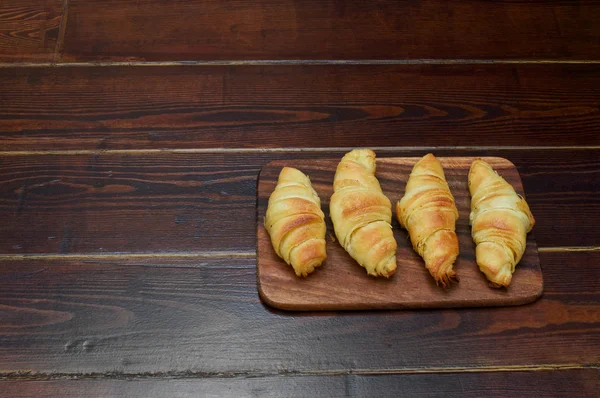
[131, 137]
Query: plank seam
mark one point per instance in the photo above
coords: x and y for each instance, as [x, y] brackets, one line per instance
[31, 376]
[266, 62]
[568, 249]
[288, 150]
[118, 256]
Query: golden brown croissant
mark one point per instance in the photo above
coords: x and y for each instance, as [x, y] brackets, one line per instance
[500, 221]
[295, 222]
[428, 212]
[362, 214]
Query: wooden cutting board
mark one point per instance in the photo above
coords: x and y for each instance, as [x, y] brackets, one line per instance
[341, 284]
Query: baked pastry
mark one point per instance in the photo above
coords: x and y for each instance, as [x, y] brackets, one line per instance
[500, 220]
[295, 222]
[362, 214]
[427, 210]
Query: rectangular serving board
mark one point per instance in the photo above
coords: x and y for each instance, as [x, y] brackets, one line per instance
[341, 284]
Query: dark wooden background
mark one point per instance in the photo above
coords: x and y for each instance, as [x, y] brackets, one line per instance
[131, 137]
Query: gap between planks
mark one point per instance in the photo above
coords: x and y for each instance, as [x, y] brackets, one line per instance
[265, 62]
[287, 373]
[204, 255]
[568, 249]
[289, 150]
[141, 256]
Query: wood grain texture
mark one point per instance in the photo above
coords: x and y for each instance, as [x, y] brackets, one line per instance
[298, 106]
[103, 316]
[29, 29]
[172, 202]
[126, 203]
[582, 383]
[341, 284]
[329, 29]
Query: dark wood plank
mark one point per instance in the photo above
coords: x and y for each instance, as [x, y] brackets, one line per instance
[94, 316]
[341, 284]
[127, 203]
[298, 106]
[274, 386]
[29, 29]
[581, 383]
[198, 202]
[329, 29]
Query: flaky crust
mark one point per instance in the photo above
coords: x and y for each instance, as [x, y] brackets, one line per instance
[427, 210]
[500, 220]
[362, 214]
[295, 222]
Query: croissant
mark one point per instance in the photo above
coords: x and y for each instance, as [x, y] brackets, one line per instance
[500, 221]
[362, 214]
[428, 212]
[295, 222]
